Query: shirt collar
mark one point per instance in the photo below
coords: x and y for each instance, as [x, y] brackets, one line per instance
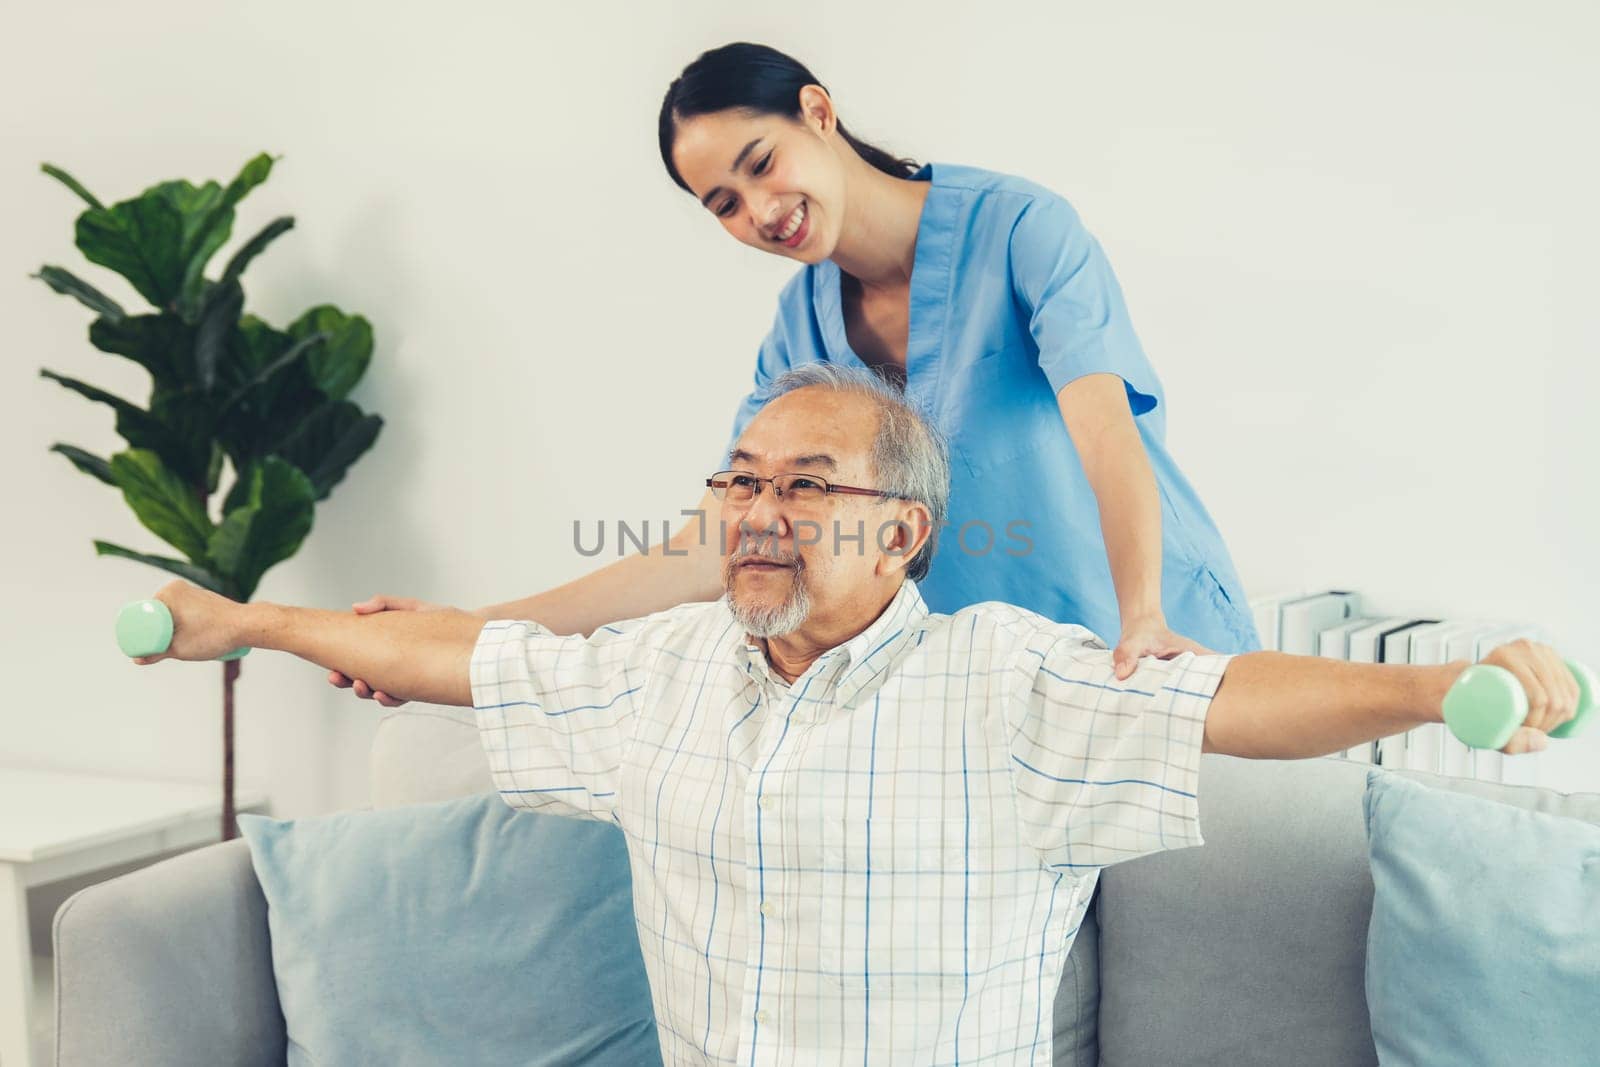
[861, 663]
[872, 652]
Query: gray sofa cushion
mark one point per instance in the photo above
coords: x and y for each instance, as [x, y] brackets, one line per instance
[1251, 950]
[1077, 1007]
[169, 965]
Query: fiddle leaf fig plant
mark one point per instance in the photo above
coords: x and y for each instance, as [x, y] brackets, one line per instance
[226, 389]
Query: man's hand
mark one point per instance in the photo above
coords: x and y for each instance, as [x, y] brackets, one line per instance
[1552, 691]
[371, 606]
[204, 625]
[1272, 705]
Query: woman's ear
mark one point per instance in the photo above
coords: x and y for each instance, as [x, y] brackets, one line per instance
[816, 109]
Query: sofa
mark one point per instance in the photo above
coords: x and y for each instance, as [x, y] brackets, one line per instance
[1249, 950]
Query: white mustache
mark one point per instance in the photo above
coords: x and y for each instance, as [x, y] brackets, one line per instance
[744, 557]
[752, 548]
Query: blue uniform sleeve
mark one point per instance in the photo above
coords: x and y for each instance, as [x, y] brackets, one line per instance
[1076, 312]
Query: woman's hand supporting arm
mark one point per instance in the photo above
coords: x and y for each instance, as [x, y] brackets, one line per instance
[1095, 410]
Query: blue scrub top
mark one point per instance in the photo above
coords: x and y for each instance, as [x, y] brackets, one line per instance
[1011, 299]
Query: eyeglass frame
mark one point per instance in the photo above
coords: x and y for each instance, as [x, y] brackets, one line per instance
[827, 486]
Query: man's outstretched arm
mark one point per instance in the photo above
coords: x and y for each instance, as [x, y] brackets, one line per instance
[1276, 706]
[417, 655]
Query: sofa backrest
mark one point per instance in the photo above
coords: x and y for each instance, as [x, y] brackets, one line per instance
[426, 753]
[1252, 949]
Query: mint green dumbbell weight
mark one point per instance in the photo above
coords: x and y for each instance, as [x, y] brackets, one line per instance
[1486, 705]
[144, 628]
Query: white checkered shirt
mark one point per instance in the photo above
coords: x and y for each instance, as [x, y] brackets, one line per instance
[883, 862]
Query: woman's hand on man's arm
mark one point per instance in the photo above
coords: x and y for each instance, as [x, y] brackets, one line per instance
[371, 606]
[1095, 410]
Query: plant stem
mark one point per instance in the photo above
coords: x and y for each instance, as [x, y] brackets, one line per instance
[230, 674]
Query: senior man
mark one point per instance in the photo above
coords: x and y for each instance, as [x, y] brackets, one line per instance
[858, 831]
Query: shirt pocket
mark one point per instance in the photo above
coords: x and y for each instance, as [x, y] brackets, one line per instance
[1000, 409]
[895, 913]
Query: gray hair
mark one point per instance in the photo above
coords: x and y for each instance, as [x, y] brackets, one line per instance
[909, 457]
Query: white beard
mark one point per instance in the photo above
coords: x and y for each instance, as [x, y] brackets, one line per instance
[765, 622]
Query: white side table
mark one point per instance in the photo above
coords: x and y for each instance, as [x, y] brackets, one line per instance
[57, 824]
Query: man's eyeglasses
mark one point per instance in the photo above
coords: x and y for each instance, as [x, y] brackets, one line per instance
[742, 487]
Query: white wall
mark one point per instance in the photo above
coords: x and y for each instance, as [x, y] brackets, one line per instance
[1357, 241]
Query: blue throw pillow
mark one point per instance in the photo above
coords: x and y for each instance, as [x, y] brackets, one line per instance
[460, 932]
[1484, 946]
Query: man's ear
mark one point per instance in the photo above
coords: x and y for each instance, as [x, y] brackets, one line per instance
[816, 109]
[902, 536]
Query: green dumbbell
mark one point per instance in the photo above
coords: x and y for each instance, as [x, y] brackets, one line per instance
[144, 628]
[1486, 705]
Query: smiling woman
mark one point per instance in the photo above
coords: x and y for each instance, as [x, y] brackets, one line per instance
[723, 96]
[984, 299]
[928, 276]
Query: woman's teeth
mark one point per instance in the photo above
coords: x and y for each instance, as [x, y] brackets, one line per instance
[795, 218]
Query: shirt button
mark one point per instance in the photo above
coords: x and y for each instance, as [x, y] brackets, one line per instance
[768, 802]
[763, 1016]
[768, 908]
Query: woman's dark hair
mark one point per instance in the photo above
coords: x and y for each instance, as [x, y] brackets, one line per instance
[751, 77]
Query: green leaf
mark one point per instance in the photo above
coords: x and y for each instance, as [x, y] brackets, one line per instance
[188, 417]
[68, 284]
[239, 493]
[290, 355]
[339, 362]
[213, 227]
[161, 240]
[328, 442]
[214, 471]
[166, 506]
[71, 183]
[135, 415]
[87, 462]
[276, 387]
[253, 247]
[178, 427]
[140, 239]
[259, 346]
[198, 575]
[161, 344]
[272, 517]
[193, 203]
[221, 316]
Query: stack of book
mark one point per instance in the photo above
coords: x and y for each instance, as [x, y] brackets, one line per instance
[1334, 623]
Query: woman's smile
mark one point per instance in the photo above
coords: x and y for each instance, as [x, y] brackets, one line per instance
[796, 227]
